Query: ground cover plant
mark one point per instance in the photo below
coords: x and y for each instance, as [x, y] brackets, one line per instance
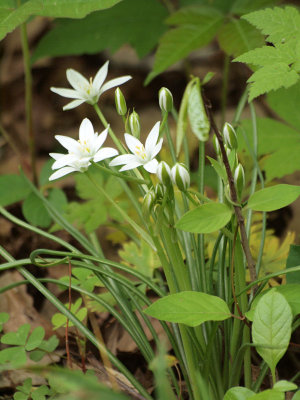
[203, 288]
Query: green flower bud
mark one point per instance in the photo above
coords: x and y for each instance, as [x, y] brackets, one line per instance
[165, 99]
[180, 176]
[216, 146]
[120, 101]
[230, 136]
[148, 202]
[163, 173]
[239, 180]
[160, 191]
[134, 124]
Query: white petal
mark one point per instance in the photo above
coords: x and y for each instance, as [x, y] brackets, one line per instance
[132, 143]
[86, 131]
[123, 159]
[73, 104]
[56, 156]
[157, 148]
[105, 152]
[131, 165]
[100, 76]
[78, 81]
[70, 93]
[67, 159]
[68, 143]
[151, 166]
[101, 139]
[115, 82]
[61, 172]
[152, 139]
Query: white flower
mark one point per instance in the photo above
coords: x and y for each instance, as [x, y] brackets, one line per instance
[82, 151]
[87, 91]
[141, 155]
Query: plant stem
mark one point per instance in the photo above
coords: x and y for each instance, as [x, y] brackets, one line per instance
[234, 198]
[28, 100]
[224, 93]
[120, 175]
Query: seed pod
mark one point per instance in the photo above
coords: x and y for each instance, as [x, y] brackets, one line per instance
[134, 124]
[230, 136]
[180, 177]
[120, 101]
[165, 99]
[163, 173]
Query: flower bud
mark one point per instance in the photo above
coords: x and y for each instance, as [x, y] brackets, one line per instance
[165, 99]
[120, 101]
[163, 173]
[160, 191]
[216, 146]
[148, 201]
[239, 180]
[180, 177]
[134, 124]
[230, 136]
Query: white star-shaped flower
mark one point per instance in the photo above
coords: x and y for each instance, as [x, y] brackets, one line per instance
[87, 91]
[144, 156]
[81, 152]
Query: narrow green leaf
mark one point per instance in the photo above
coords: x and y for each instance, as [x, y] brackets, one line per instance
[284, 386]
[238, 393]
[13, 188]
[238, 36]
[189, 308]
[274, 197]
[35, 339]
[219, 168]
[206, 218]
[292, 261]
[271, 328]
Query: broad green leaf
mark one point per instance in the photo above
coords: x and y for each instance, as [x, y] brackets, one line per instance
[58, 199]
[297, 395]
[206, 218]
[241, 7]
[13, 188]
[177, 43]
[271, 77]
[89, 215]
[238, 393]
[292, 261]
[35, 339]
[20, 396]
[36, 355]
[59, 319]
[26, 387]
[16, 356]
[286, 103]
[284, 386]
[17, 338]
[84, 187]
[40, 393]
[137, 22]
[199, 121]
[35, 212]
[274, 197]
[271, 328]
[49, 345]
[269, 394]
[238, 36]
[189, 308]
[4, 317]
[277, 23]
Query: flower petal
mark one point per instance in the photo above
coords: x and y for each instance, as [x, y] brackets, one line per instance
[157, 148]
[70, 93]
[67, 159]
[78, 81]
[114, 82]
[73, 104]
[101, 139]
[100, 76]
[131, 165]
[68, 143]
[152, 139]
[132, 143]
[56, 156]
[86, 131]
[105, 152]
[61, 172]
[123, 159]
[151, 166]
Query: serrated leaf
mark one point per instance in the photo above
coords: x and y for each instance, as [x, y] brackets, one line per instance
[89, 215]
[284, 386]
[108, 29]
[177, 43]
[17, 338]
[238, 36]
[293, 260]
[189, 308]
[271, 328]
[268, 55]
[206, 218]
[35, 339]
[279, 24]
[271, 77]
[238, 393]
[274, 197]
[13, 188]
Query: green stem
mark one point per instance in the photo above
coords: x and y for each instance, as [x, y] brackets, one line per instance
[170, 141]
[28, 100]
[224, 95]
[110, 131]
[120, 175]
